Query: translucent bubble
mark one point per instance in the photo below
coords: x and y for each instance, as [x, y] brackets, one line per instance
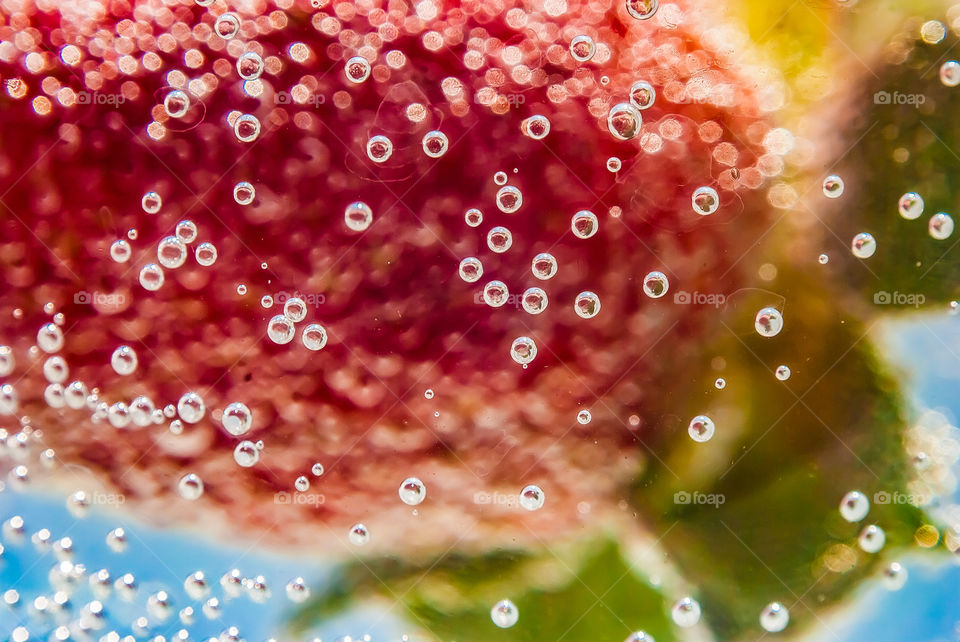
[211, 608]
[317, 469]
[196, 586]
[655, 284]
[894, 576]
[246, 128]
[50, 337]
[523, 350]
[246, 454]
[587, 305]
[624, 121]
[685, 612]
[854, 506]
[359, 535]
[141, 411]
[720, 383]
[950, 73]
[639, 636]
[509, 199]
[871, 539]
[769, 322]
[117, 540]
[504, 614]
[191, 407]
[237, 418]
[176, 103]
[295, 309]
[357, 69]
[379, 149]
[782, 372]
[297, 591]
[932, 32]
[244, 193]
[705, 201]
[227, 26]
[582, 48]
[823, 259]
[471, 269]
[435, 144]
[495, 293]
[76, 395]
[132, 234]
[940, 226]
[186, 231]
[314, 337]
[584, 224]
[863, 245]
[642, 9]
[833, 186]
[302, 484]
[120, 251]
[171, 252]
[473, 217]
[8, 363]
[250, 65]
[774, 617]
[910, 206]
[151, 202]
[280, 329]
[358, 216]
[206, 254]
[500, 178]
[534, 300]
[544, 266]
[701, 428]
[124, 360]
[78, 504]
[126, 587]
[499, 239]
[614, 164]
[118, 415]
[412, 491]
[536, 127]
[642, 95]
[190, 486]
[584, 417]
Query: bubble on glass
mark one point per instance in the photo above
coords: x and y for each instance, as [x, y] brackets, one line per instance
[495, 293]
[544, 266]
[124, 360]
[536, 127]
[685, 612]
[171, 252]
[768, 322]
[120, 251]
[280, 329]
[246, 454]
[701, 428]
[783, 372]
[910, 206]
[854, 506]
[504, 614]
[534, 300]
[584, 417]
[642, 95]
[642, 9]
[614, 164]
[894, 576]
[176, 103]
[832, 186]
[151, 203]
[509, 199]
[237, 418]
[655, 284]
[473, 217]
[357, 69]
[587, 305]
[532, 497]
[190, 486]
[314, 337]
[705, 201]
[435, 144]
[244, 193]
[379, 149]
[246, 128]
[250, 65]
[471, 269]
[358, 216]
[624, 121]
[523, 350]
[871, 539]
[412, 491]
[584, 224]
[499, 239]
[186, 231]
[358, 535]
[151, 277]
[774, 617]
[582, 48]
[863, 245]
[940, 226]
[206, 254]
[227, 26]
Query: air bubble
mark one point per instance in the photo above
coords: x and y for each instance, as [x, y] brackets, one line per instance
[854, 506]
[871, 539]
[642, 9]
[151, 203]
[171, 252]
[642, 95]
[412, 491]
[314, 337]
[280, 329]
[509, 199]
[720, 383]
[190, 486]
[504, 614]
[358, 216]
[317, 469]
[624, 121]
[582, 48]
[532, 498]
[55, 369]
[237, 418]
[50, 337]
[894, 576]
[379, 149]
[614, 164]
[705, 201]
[774, 617]
[250, 65]
[782, 372]
[536, 127]
[244, 193]
[473, 217]
[246, 454]
[523, 350]
[655, 284]
[471, 269]
[863, 245]
[685, 612]
[124, 360]
[227, 26]
[186, 231]
[206, 254]
[151, 277]
[940, 226]
[191, 407]
[584, 417]
[301, 484]
[499, 239]
[297, 590]
[495, 293]
[295, 309]
[357, 69]
[587, 305]
[246, 128]
[534, 300]
[435, 144]
[768, 322]
[584, 224]
[500, 178]
[120, 251]
[544, 266]
[833, 186]
[176, 103]
[359, 535]
[910, 206]
[701, 428]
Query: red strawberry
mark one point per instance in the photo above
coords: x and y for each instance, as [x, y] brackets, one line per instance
[399, 319]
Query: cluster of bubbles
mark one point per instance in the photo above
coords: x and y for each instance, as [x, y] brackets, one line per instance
[281, 328]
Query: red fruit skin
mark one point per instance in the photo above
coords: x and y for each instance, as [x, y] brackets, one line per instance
[399, 318]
